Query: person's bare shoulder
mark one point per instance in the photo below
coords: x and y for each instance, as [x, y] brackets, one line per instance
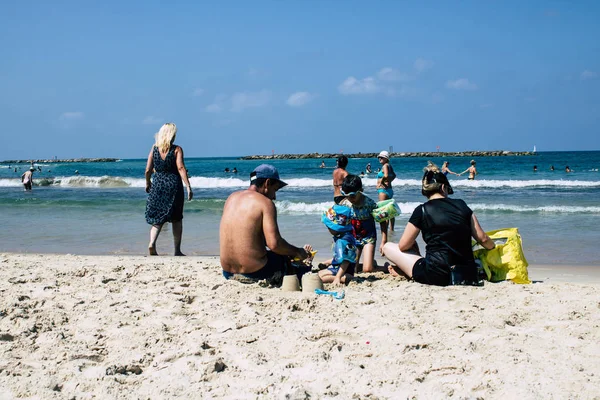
[244, 199]
[340, 173]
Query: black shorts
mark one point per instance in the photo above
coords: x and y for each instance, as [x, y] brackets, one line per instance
[427, 275]
[275, 268]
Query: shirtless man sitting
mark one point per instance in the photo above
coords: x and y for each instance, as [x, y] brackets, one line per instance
[249, 225]
[338, 177]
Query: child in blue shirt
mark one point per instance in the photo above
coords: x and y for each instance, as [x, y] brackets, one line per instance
[338, 219]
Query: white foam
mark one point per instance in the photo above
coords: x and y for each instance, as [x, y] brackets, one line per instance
[538, 209]
[287, 207]
[10, 182]
[485, 183]
[97, 181]
[462, 183]
[300, 183]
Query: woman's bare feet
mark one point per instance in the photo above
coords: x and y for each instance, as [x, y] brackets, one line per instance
[152, 251]
[393, 270]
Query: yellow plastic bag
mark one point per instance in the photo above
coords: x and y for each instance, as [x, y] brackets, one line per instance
[506, 261]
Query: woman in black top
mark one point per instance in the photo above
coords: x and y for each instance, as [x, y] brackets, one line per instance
[447, 226]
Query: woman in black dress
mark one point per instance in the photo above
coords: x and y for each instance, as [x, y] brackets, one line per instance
[165, 200]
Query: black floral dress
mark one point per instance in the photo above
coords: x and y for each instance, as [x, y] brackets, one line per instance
[165, 201]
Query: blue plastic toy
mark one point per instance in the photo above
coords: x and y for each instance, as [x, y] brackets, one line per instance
[336, 295]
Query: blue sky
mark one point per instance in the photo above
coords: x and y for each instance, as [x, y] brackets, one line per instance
[98, 78]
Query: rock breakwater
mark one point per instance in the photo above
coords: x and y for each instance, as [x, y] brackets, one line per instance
[67, 160]
[494, 153]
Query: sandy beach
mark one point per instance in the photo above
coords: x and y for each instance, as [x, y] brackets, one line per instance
[82, 327]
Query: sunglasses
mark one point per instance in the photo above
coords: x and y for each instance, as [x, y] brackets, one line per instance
[351, 194]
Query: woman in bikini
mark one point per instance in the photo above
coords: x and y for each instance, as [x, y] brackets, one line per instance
[338, 177]
[471, 170]
[27, 179]
[384, 181]
[446, 170]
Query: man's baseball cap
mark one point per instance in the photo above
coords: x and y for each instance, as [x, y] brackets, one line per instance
[266, 171]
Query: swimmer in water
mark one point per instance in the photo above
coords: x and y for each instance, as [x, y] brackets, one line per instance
[471, 170]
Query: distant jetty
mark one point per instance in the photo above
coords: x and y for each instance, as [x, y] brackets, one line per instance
[443, 154]
[68, 160]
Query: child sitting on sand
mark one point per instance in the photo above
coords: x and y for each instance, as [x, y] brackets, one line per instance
[338, 220]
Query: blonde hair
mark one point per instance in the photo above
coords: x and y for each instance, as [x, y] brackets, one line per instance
[165, 137]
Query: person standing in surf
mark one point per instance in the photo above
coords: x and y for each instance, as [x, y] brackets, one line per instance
[384, 182]
[165, 200]
[27, 179]
[446, 169]
[338, 178]
[471, 170]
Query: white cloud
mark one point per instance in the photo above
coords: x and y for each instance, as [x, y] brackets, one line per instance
[299, 99]
[359, 86]
[198, 92]
[587, 74]
[213, 108]
[387, 81]
[421, 65]
[217, 105]
[392, 75]
[242, 100]
[151, 120]
[71, 115]
[461, 84]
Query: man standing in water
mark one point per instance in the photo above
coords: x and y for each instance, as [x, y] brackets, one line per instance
[338, 178]
[249, 225]
[27, 179]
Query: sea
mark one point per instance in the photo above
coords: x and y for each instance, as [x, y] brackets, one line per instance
[100, 209]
